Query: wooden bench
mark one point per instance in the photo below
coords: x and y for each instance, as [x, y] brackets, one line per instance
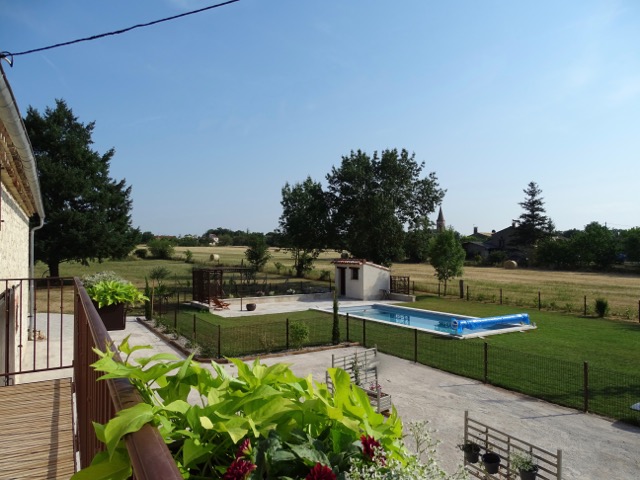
[363, 370]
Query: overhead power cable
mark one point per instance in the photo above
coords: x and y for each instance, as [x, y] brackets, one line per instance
[8, 56]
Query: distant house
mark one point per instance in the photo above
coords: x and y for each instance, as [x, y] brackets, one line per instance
[501, 240]
[361, 280]
[21, 213]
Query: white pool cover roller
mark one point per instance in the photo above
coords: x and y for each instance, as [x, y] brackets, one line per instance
[475, 323]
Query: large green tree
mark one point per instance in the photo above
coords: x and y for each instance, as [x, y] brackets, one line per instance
[304, 223]
[373, 199]
[534, 225]
[446, 255]
[87, 212]
[631, 243]
[597, 246]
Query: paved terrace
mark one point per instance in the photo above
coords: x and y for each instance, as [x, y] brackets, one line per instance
[594, 448]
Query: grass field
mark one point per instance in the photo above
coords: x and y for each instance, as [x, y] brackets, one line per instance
[560, 291]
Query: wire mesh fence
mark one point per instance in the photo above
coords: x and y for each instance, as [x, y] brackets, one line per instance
[554, 299]
[572, 384]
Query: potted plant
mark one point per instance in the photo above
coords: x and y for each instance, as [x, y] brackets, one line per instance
[491, 461]
[471, 451]
[525, 464]
[111, 296]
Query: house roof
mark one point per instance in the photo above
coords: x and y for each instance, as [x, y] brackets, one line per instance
[358, 262]
[18, 171]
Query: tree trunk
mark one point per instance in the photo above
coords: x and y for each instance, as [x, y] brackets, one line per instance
[54, 268]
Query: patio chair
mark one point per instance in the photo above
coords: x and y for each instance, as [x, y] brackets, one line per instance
[220, 305]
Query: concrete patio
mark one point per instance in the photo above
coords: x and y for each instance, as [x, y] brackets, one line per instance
[593, 447]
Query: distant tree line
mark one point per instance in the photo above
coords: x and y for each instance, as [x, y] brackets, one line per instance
[596, 247]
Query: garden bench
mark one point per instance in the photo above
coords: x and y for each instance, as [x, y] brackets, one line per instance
[363, 371]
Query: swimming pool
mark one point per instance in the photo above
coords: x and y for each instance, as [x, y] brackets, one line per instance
[439, 323]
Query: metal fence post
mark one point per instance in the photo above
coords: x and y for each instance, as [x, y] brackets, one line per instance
[585, 305]
[539, 300]
[348, 340]
[500, 296]
[415, 345]
[364, 333]
[467, 293]
[194, 327]
[586, 386]
[219, 342]
[461, 289]
[287, 339]
[486, 362]
[175, 315]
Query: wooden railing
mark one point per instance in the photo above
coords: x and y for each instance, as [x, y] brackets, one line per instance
[99, 400]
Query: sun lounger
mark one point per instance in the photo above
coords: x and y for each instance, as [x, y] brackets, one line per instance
[219, 305]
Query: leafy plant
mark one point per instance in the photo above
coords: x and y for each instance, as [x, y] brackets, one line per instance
[469, 447]
[298, 334]
[266, 422]
[601, 307]
[110, 292]
[523, 461]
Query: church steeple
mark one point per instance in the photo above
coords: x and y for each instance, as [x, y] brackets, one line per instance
[440, 224]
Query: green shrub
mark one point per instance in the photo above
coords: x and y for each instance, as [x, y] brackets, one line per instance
[325, 275]
[161, 248]
[602, 307]
[298, 334]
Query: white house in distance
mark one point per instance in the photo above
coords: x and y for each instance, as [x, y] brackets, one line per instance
[361, 280]
[21, 212]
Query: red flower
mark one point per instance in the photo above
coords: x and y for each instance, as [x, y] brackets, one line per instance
[244, 448]
[238, 470]
[371, 449]
[320, 472]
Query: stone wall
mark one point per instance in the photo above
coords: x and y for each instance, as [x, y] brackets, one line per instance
[14, 239]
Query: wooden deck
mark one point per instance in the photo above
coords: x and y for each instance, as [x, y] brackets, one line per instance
[36, 430]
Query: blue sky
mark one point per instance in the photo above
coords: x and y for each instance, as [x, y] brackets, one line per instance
[211, 114]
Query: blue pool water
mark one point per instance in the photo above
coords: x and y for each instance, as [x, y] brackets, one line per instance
[439, 322]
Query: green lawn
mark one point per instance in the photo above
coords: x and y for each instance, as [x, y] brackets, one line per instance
[546, 363]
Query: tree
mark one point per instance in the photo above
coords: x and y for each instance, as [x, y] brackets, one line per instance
[631, 244]
[258, 252]
[304, 223]
[372, 199]
[87, 212]
[534, 224]
[416, 243]
[596, 245]
[161, 248]
[446, 255]
[335, 328]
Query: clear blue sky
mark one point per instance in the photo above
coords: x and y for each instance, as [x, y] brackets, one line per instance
[211, 114]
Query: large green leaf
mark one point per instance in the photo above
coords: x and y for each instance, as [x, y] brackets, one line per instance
[105, 467]
[126, 421]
